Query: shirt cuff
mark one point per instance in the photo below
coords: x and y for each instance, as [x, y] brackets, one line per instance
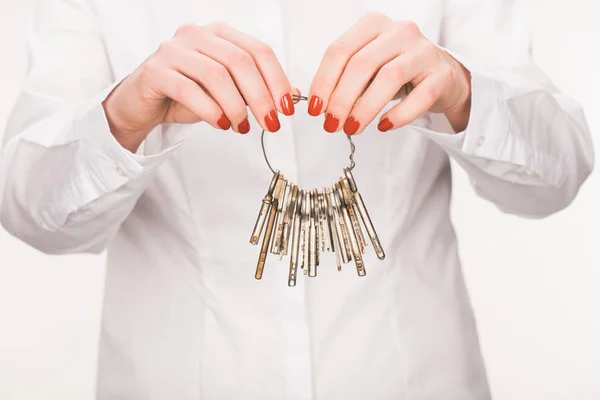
[492, 140]
[112, 164]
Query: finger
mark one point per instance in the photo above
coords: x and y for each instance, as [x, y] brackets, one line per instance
[387, 83]
[242, 69]
[187, 92]
[213, 76]
[266, 61]
[418, 102]
[359, 73]
[336, 57]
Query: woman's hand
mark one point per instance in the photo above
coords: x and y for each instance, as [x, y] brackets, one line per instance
[368, 66]
[207, 74]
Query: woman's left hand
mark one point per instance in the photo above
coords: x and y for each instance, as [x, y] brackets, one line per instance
[368, 66]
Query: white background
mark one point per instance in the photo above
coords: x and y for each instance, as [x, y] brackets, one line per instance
[535, 285]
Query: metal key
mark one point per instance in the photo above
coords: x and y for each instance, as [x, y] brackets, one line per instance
[360, 238]
[306, 232]
[278, 230]
[364, 215]
[343, 245]
[322, 223]
[356, 254]
[297, 223]
[262, 258]
[312, 248]
[334, 240]
[316, 217]
[287, 221]
[264, 210]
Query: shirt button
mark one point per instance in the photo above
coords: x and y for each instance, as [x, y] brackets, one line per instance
[529, 172]
[480, 141]
[121, 172]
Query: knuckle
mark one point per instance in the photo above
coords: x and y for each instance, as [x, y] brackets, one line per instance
[409, 28]
[429, 93]
[263, 50]
[186, 29]
[165, 48]
[216, 73]
[392, 73]
[181, 89]
[376, 16]
[360, 62]
[240, 59]
[217, 26]
[337, 50]
[262, 101]
[149, 70]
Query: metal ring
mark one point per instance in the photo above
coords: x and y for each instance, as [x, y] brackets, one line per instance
[262, 142]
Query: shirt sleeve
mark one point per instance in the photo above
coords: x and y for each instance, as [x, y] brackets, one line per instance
[66, 184]
[527, 147]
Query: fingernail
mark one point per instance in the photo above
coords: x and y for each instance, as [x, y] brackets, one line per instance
[224, 123]
[315, 105]
[385, 125]
[287, 104]
[331, 123]
[244, 127]
[351, 126]
[272, 121]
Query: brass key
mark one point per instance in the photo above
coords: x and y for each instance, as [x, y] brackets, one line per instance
[356, 254]
[334, 241]
[322, 222]
[306, 232]
[288, 216]
[344, 246]
[297, 222]
[262, 258]
[278, 229]
[316, 216]
[349, 200]
[364, 215]
[264, 210]
[312, 248]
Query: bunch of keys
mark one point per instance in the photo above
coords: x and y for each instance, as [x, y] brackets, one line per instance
[303, 223]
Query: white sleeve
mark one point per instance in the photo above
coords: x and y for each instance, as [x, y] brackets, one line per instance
[527, 147]
[66, 184]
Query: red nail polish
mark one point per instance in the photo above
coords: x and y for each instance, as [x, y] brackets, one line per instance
[331, 123]
[272, 121]
[244, 127]
[351, 126]
[385, 125]
[315, 105]
[224, 123]
[287, 104]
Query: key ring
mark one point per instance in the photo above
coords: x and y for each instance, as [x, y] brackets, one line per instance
[304, 98]
[304, 223]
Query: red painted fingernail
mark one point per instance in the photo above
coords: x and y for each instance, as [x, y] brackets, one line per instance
[224, 123]
[244, 127]
[331, 123]
[315, 105]
[385, 125]
[272, 121]
[351, 126]
[287, 104]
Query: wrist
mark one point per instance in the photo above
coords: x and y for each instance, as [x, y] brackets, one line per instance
[128, 138]
[459, 114]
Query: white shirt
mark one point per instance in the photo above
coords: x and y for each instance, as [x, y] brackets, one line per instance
[184, 317]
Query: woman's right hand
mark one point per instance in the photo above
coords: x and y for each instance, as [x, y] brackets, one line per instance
[204, 73]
